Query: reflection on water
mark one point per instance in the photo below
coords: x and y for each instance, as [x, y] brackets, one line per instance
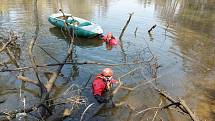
[183, 40]
[193, 24]
[81, 42]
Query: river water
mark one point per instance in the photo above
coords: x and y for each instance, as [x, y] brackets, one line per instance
[183, 42]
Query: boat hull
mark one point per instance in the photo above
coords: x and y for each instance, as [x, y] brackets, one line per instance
[84, 29]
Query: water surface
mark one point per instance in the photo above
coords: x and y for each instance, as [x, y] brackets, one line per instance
[183, 42]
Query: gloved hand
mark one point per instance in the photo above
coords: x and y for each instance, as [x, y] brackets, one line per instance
[109, 85]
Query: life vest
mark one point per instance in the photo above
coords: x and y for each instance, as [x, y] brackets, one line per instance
[112, 41]
[99, 86]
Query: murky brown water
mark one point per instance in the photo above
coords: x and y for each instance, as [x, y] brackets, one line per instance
[183, 41]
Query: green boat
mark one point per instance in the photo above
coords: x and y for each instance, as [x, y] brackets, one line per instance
[81, 27]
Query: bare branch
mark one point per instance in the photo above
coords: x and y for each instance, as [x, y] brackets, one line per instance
[51, 81]
[31, 46]
[26, 79]
[5, 45]
[12, 58]
[192, 115]
[123, 30]
[151, 28]
[82, 115]
[157, 111]
[120, 83]
[77, 63]
[147, 109]
[48, 54]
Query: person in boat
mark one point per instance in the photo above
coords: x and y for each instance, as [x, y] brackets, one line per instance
[109, 39]
[102, 84]
[72, 21]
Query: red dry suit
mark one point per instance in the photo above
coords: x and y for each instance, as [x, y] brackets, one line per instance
[100, 86]
[112, 41]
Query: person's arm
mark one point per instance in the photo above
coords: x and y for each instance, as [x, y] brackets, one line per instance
[113, 81]
[104, 38]
[101, 36]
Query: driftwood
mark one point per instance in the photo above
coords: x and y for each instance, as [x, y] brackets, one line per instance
[124, 28]
[191, 114]
[180, 104]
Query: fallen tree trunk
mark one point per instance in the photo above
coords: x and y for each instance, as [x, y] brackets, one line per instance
[191, 114]
[173, 101]
[180, 104]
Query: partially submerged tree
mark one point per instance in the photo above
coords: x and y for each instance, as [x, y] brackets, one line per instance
[50, 107]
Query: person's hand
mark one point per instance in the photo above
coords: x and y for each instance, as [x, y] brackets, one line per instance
[117, 82]
[109, 84]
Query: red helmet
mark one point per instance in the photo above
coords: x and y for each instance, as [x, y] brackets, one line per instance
[109, 34]
[107, 72]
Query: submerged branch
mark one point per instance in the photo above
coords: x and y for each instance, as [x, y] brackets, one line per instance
[120, 83]
[191, 114]
[86, 111]
[12, 57]
[147, 109]
[55, 74]
[26, 79]
[5, 45]
[135, 32]
[180, 104]
[49, 54]
[76, 63]
[157, 111]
